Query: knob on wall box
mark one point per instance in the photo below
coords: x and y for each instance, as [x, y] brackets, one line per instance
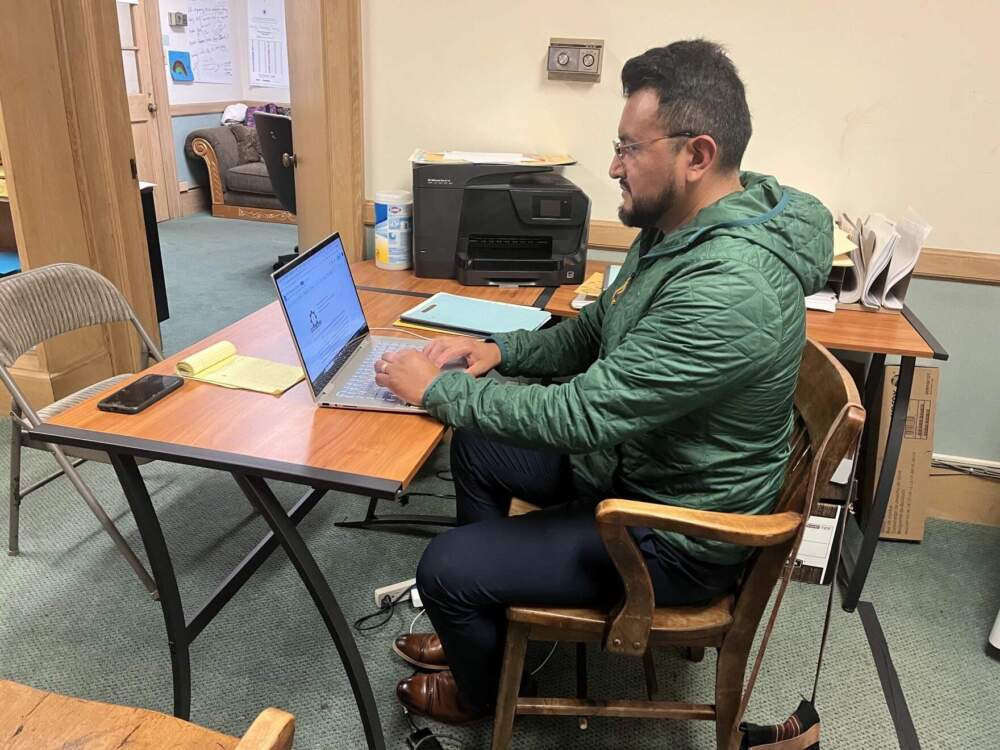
[575, 59]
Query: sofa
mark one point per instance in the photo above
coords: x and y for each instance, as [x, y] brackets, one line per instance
[239, 185]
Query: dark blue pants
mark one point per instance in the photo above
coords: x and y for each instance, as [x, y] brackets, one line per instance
[469, 575]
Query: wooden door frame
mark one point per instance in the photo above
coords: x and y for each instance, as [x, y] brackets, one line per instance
[325, 57]
[165, 128]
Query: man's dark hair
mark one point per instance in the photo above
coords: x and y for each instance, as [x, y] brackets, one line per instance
[699, 90]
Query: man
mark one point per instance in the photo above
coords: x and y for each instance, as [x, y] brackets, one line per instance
[682, 379]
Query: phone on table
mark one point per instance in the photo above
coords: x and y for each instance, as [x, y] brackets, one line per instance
[144, 392]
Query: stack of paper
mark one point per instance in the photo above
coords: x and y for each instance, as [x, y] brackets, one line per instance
[884, 255]
[843, 247]
[591, 289]
[221, 365]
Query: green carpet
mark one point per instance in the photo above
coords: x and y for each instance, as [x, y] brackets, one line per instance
[73, 618]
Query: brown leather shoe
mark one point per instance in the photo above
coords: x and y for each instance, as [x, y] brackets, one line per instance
[435, 695]
[423, 650]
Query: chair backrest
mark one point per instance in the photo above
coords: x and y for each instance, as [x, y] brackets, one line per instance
[275, 135]
[45, 302]
[828, 422]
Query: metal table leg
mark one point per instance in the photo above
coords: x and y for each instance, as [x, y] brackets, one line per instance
[163, 573]
[264, 501]
[897, 426]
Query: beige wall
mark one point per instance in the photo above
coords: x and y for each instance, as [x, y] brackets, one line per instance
[872, 106]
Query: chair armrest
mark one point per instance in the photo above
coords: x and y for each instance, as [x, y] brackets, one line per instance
[736, 528]
[273, 729]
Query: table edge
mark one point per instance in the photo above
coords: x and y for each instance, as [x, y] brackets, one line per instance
[221, 460]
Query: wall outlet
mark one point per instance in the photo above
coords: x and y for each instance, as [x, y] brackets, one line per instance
[393, 591]
[575, 59]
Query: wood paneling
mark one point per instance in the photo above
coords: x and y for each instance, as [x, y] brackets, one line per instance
[211, 108]
[68, 154]
[161, 99]
[934, 262]
[195, 200]
[959, 265]
[289, 428]
[326, 89]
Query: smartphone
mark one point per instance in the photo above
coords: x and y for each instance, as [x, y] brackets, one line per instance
[136, 396]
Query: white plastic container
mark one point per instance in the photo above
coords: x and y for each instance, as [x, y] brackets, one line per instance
[393, 229]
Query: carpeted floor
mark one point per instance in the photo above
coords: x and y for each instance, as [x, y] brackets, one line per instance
[74, 619]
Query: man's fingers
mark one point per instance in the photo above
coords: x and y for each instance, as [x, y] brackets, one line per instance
[382, 379]
[390, 356]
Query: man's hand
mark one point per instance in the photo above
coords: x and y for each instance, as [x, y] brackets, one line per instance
[406, 373]
[480, 357]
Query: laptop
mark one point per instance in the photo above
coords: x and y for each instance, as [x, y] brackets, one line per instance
[330, 331]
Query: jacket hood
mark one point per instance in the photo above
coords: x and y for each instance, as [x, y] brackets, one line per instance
[794, 226]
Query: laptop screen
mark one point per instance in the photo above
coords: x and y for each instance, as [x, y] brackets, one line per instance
[321, 303]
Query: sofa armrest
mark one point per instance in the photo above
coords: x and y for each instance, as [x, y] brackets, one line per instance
[216, 148]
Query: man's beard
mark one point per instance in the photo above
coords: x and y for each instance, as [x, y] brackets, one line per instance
[647, 214]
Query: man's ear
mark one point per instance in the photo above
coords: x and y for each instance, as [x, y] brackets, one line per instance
[702, 153]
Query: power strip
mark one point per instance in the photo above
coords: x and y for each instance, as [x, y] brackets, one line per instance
[393, 591]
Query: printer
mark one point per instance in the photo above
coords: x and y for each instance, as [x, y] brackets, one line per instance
[499, 224]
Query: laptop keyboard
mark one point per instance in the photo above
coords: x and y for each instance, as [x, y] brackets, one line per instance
[362, 383]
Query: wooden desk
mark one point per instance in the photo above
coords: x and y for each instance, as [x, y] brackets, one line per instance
[255, 437]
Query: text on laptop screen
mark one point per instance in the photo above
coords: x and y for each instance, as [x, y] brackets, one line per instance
[323, 310]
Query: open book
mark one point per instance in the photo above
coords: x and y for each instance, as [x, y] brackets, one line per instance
[884, 255]
[221, 365]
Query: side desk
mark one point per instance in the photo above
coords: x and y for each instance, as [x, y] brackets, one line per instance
[877, 334]
[257, 437]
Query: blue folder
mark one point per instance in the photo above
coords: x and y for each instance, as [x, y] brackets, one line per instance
[477, 316]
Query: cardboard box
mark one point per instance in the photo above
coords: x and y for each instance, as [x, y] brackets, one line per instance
[910, 498]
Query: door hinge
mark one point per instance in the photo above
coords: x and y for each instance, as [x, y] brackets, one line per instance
[135, 171]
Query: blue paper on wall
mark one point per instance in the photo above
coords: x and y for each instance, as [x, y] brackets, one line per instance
[180, 65]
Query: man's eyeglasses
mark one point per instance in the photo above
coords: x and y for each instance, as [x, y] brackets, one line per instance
[628, 149]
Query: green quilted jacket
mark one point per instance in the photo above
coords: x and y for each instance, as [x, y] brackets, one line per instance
[682, 372]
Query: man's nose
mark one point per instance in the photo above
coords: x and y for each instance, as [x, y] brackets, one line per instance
[617, 169]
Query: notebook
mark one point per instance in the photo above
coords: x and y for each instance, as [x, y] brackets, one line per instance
[221, 365]
[479, 316]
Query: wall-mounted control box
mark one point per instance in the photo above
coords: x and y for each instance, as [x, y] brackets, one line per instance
[176, 19]
[575, 59]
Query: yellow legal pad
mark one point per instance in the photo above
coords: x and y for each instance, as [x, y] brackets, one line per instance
[221, 365]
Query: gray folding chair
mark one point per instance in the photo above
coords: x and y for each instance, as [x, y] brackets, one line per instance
[38, 305]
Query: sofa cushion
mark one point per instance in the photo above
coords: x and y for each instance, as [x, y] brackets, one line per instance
[250, 178]
[247, 143]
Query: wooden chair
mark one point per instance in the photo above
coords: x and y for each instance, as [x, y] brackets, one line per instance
[38, 720]
[828, 422]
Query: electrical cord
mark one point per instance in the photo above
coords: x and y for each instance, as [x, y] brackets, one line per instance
[385, 610]
[444, 475]
[414, 621]
[407, 495]
[974, 471]
[538, 669]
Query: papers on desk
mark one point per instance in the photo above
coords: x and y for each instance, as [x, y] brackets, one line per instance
[219, 364]
[591, 289]
[422, 156]
[826, 299]
[454, 313]
[884, 255]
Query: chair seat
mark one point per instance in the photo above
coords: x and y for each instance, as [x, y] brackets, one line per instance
[40, 720]
[67, 402]
[698, 624]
